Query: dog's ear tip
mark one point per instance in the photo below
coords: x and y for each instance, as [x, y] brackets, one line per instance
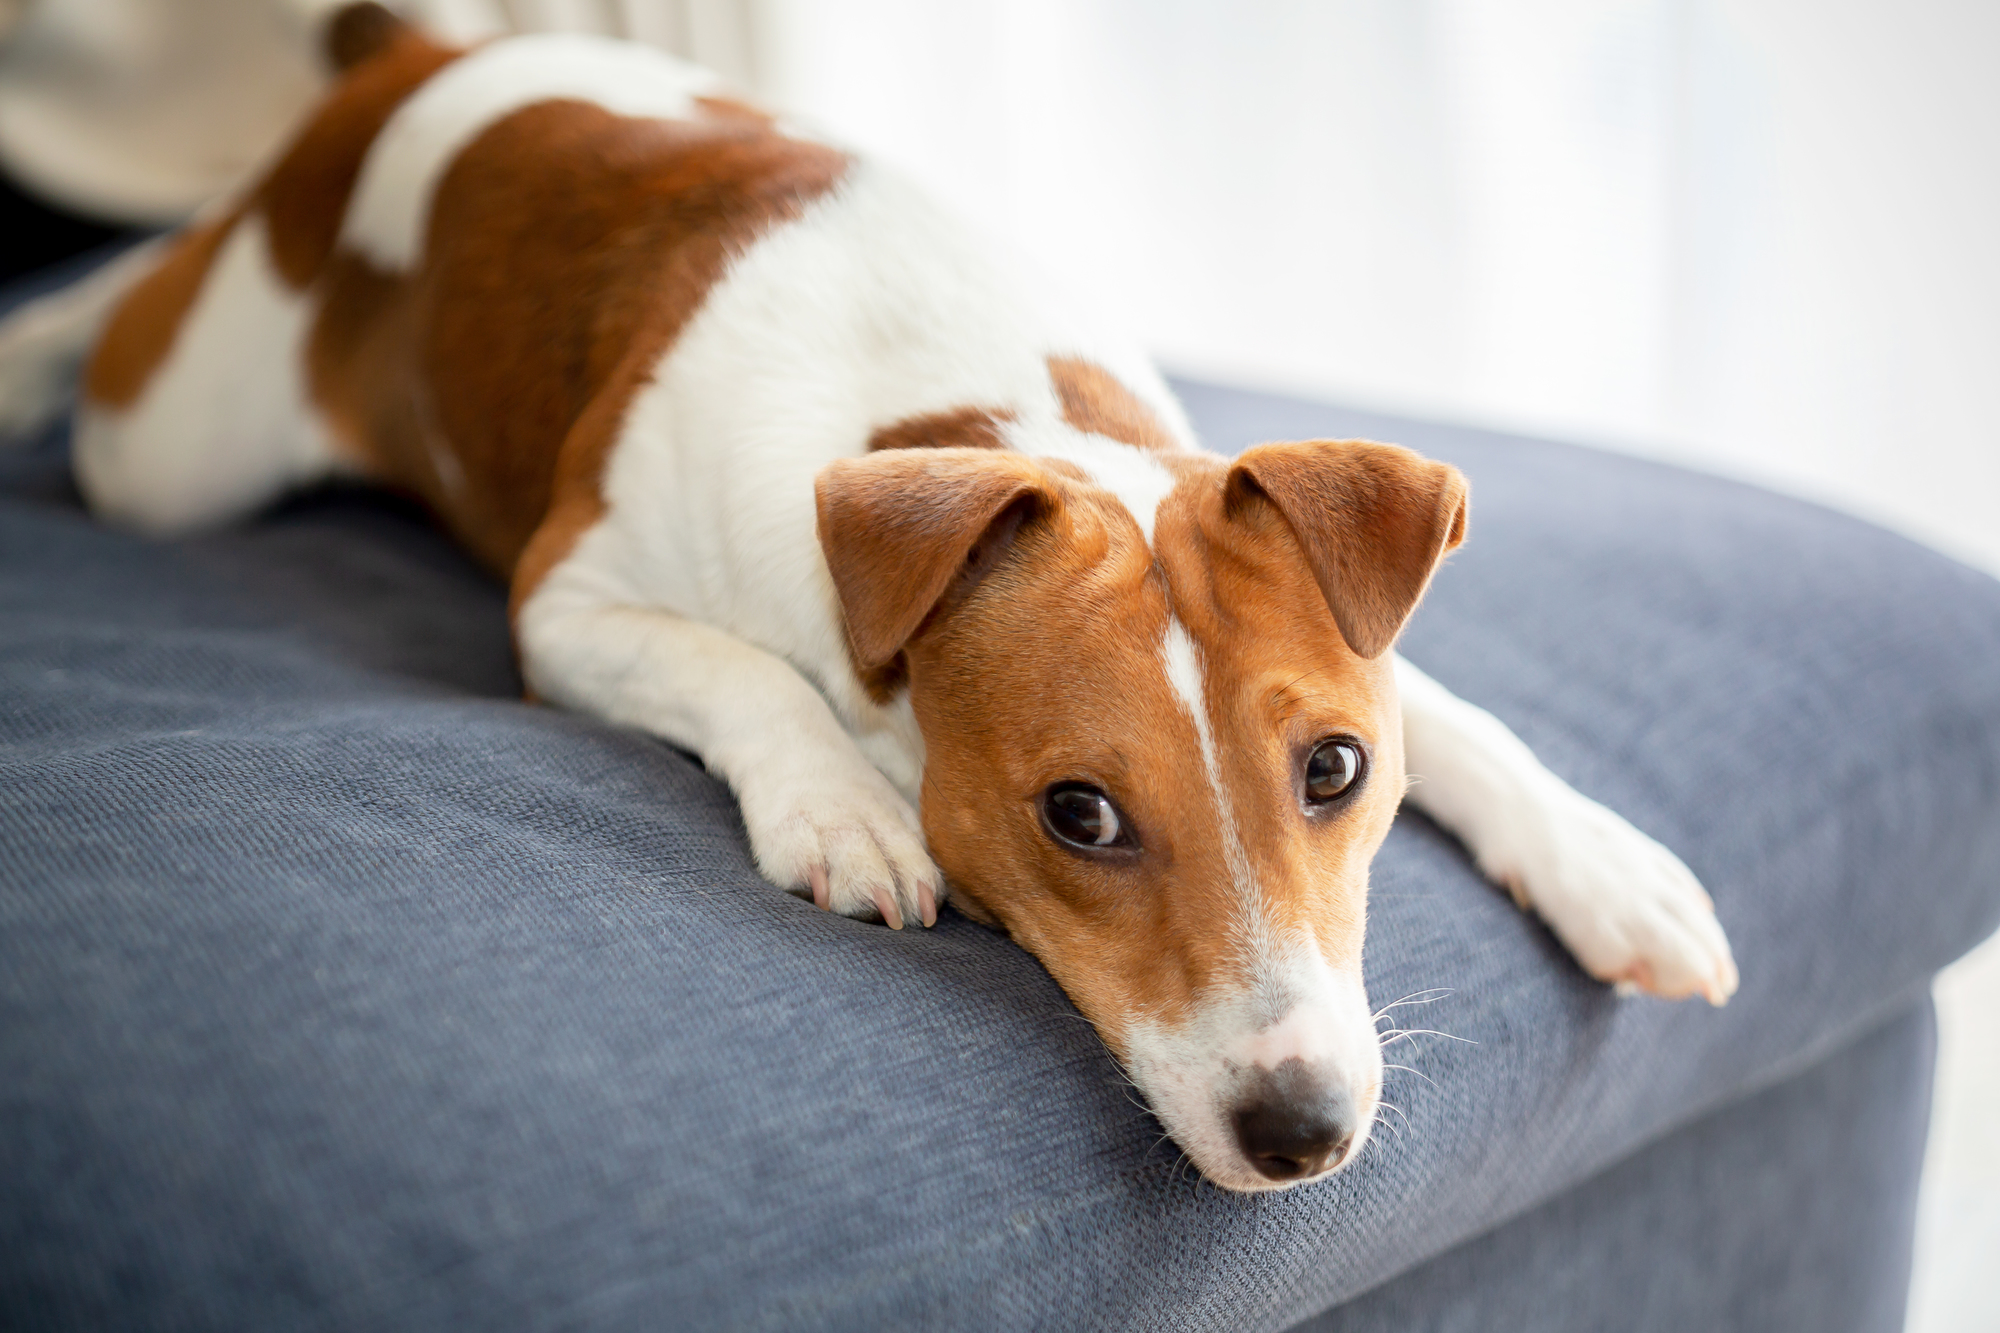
[1368, 644]
[1373, 521]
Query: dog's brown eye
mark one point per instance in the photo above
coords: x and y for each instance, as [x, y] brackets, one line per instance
[1332, 769]
[1080, 814]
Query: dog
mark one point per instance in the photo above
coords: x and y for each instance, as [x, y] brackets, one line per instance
[784, 465]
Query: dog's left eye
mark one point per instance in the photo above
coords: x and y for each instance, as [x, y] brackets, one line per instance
[1083, 816]
[1332, 769]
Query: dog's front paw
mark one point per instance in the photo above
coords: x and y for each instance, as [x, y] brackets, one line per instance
[853, 843]
[1629, 910]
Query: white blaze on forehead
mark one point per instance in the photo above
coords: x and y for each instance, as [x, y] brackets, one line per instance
[1177, 654]
[1133, 475]
[391, 207]
[1282, 971]
[1183, 667]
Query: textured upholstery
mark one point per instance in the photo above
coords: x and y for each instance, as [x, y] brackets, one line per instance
[338, 988]
[1790, 1211]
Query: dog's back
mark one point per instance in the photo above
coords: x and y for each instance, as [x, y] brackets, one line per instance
[466, 266]
[460, 268]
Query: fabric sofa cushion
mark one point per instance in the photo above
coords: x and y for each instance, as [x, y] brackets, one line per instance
[342, 988]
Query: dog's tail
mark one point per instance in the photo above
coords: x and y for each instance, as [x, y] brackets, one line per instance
[354, 33]
[43, 340]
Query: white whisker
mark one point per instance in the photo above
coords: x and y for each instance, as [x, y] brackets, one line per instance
[1397, 1034]
[1429, 996]
[1418, 1072]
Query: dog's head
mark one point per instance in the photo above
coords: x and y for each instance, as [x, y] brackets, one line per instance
[1163, 744]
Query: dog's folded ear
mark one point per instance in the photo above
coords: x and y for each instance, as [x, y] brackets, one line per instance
[1372, 519]
[903, 529]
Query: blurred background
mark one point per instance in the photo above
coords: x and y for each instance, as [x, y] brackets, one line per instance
[1752, 236]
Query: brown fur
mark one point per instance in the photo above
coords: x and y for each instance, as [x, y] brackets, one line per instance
[543, 309]
[1093, 400]
[305, 195]
[961, 428]
[567, 249]
[1372, 519]
[898, 530]
[358, 32]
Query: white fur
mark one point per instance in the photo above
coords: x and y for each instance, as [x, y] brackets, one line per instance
[387, 219]
[811, 801]
[223, 425]
[1182, 663]
[1133, 475]
[1627, 907]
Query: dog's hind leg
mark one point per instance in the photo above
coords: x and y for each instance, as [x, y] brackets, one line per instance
[43, 341]
[194, 407]
[1626, 907]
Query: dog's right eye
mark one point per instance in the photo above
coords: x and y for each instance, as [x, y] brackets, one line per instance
[1082, 816]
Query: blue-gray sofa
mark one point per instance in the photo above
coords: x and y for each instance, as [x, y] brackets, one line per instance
[341, 989]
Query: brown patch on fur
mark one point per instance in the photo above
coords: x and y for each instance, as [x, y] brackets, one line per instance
[1093, 400]
[879, 520]
[1280, 677]
[568, 248]
[579, 470]
[1372, 519]
[960, 428]
[1010, 702]
[141, 330]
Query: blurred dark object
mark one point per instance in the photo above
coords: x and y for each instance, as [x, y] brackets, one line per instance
[38, 234]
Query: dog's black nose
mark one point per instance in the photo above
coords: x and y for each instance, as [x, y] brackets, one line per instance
[1290, 1126]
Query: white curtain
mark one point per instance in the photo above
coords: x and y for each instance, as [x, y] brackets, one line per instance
[1757, 235]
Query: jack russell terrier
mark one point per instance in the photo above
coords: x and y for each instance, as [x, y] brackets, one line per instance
[785, 467]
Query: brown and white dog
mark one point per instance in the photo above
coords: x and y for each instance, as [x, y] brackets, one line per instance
[785, 466]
